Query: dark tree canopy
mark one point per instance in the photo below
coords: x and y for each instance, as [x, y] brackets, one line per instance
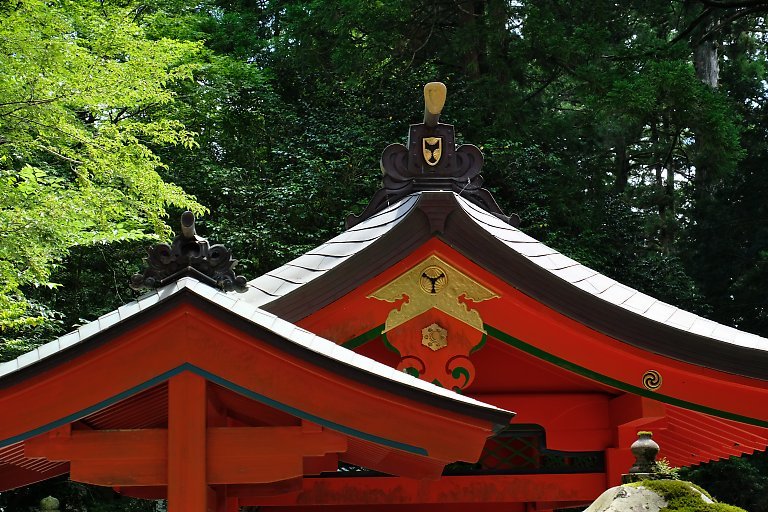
[631, 136]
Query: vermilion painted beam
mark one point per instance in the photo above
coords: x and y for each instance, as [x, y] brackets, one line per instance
[420, 507]
[350, 493]
[677, 456]
[698, 451]
[120, 472]
[507, 489]
[573, 421]
[266, 454]
[143, 492]
[188, 336]
[12, 477]
[617, 462]
[549, 336]
[634, 410]
[316, 465]
[239, 470]
[722, 447]
[715, 436]
[269, 441]
[101, 444]
[725, 431]
[234, 455]
[187, 486]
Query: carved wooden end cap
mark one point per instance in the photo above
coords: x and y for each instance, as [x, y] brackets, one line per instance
[189, 255]
[431, 161]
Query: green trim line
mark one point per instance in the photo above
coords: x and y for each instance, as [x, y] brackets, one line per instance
[614, 383]
[188, 367]
[364, 338]
[480, 345]
[389, 346]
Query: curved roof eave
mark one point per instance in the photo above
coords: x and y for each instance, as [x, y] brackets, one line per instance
[291, 337]
[530, 266]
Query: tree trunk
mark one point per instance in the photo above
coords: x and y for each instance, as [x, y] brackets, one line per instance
[706, 64]
[622, 166]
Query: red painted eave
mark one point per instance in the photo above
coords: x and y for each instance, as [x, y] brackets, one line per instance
[87, 387]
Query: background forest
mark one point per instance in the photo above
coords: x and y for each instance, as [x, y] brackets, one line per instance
[631, 136]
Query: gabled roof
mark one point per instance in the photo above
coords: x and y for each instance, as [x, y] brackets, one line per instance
[315, 346]
[326, 273]
[113, 373]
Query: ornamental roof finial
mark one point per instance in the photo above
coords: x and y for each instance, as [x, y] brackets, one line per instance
[431, 161]
[189, 255]
[434, 101]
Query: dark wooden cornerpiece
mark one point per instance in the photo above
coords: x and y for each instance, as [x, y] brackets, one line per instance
[189, 255]
[431, 161]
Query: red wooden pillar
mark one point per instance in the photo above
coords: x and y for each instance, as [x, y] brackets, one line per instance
[225, 503]
[187, 486]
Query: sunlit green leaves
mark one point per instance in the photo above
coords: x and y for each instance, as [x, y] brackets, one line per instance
[80, 87]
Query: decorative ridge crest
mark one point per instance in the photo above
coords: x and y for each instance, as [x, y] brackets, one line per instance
[189, 255]
[431, 161]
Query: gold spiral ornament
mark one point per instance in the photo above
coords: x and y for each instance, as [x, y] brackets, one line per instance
[652, 380]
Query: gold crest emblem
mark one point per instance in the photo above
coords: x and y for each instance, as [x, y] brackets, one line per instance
[434, 284]
[432, 148]
[434, 337]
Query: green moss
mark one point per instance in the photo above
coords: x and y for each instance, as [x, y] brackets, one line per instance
[682, 496]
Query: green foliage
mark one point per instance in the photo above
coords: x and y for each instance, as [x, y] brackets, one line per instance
[742, 481]
[79, 83]
[73, 497]
[684, 497]
[664, 468]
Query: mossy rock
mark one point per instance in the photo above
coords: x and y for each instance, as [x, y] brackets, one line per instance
[658, 496]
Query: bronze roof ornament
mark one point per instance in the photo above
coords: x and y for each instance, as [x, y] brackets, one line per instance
[432, 161]
[189, 255]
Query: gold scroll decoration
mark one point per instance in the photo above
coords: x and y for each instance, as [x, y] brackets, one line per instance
[433, 283]
[652, 380]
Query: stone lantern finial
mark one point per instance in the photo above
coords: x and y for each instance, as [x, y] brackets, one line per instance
[645, 450]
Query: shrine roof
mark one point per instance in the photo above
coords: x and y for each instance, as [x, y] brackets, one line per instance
[559, 280]
[604, 287]
[324, 258]
[289, 332]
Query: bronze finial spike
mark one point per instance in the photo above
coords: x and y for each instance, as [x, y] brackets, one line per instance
[434, 100]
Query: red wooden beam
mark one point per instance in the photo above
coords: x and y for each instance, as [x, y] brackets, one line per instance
[189, 336]
[12, 477]
[100, 444]
[368, 491]
[420, 507]
[234, 455]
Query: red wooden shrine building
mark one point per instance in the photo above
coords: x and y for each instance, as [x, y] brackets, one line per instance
[378, 370]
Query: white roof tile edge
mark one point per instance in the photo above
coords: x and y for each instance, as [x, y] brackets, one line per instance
[249, 312]
[610, 290]
[381, 222]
